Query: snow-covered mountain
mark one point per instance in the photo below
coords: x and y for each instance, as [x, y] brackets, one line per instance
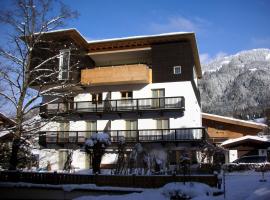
[237, 85]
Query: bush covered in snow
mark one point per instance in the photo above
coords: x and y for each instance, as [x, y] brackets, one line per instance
[186, 191]
[96, 146]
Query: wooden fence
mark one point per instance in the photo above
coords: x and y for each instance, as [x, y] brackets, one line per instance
[104, 180]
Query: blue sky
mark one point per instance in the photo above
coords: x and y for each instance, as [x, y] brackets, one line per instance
[222, 27]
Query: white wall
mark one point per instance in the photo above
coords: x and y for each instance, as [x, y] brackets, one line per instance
[192, 113]
[191, 117]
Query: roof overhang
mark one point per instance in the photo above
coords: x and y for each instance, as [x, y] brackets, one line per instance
[119, 44]
[147, 41]
[246, 140]
[74, 34]
[230, 120]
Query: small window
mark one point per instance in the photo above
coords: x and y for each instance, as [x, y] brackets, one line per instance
[126, 95]
[64, 58]
[162, 123]
[177, 70]
[97, 98]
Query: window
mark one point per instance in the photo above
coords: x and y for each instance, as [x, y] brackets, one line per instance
[63, 131]
[64, 58]
[177, 70]
[97, 98]
[127, 101]
[158, 100]
[126, 95]
[162, 123]
[62, 158]
[91, 127]
[131, 127]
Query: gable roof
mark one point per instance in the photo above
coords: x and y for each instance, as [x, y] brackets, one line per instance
[231, 120]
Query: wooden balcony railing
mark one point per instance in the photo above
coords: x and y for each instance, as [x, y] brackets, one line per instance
[130, 136]
[117, 75]
[119, 105]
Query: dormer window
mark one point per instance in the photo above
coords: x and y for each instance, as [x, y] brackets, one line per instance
[64, 59]
[177, 70]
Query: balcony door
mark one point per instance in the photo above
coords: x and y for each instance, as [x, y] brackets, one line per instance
[158, 101]
[131, 127]
[63, 131]
[62, 158]
[162, 126]
[91, 127]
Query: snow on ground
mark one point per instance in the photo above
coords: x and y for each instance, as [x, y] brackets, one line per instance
[191, 189]
[238, 186]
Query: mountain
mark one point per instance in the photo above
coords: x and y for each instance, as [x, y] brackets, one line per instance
[237, 85]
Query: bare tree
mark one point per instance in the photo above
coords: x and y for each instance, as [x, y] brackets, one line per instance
[23, 71]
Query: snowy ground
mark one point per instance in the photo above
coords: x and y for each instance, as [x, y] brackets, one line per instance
[238, 186]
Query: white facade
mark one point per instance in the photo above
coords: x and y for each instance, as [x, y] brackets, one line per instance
[190, 118]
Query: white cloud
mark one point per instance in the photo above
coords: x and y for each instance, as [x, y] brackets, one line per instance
[207, 58]
[204, 58]
[261, 42]
[179, 23]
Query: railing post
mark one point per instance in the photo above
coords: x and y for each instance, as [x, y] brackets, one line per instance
[138, 136]
[162, 134]
[117, 135]
[116, 105]
[183, 102]
[96, 105]
[137, 104]
[174, 134]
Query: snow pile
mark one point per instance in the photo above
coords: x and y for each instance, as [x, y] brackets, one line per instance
[98, 137]
[262, 193]
[191, 189]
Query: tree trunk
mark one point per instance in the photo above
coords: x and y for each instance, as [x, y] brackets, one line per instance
[13, 162]
[96, 163]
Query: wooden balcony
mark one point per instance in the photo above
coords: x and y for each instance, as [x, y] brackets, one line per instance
[117, 106]
[130, 136]
[117, 75]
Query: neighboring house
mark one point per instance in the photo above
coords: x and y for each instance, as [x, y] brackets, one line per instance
[5, 123]
[142, 89]
[6, 138]
[240, 137]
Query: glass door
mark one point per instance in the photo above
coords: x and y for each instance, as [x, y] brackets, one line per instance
[159, 100]
[63, 131]
[131, 127]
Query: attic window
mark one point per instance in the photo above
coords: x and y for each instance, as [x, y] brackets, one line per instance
[177, 70]
[64, 59]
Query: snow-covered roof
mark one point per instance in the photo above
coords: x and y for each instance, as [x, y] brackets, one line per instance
[121, 38]
[3, 116]
[232, 120]
[247, 137]
[139, 37]
[4, 133]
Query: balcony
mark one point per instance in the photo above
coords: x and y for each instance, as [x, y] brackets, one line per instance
[130, 136]
[117, 75]
[114, 106]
